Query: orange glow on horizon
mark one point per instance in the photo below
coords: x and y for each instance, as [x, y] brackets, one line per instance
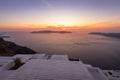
[59, 25]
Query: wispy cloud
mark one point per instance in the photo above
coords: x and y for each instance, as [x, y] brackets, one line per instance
[47, 3]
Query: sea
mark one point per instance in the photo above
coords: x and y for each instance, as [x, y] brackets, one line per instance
[99, 51]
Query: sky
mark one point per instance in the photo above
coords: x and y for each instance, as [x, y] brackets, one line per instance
[59, 13]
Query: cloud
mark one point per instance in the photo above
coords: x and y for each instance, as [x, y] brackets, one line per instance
[47, 3]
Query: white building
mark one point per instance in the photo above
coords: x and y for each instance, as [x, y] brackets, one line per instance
[56, 67]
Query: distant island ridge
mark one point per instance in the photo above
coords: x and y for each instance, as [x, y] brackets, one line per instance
[4, 36]
[51, 31]
[114, 35]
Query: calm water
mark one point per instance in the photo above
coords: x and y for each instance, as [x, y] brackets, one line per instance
[97, 50]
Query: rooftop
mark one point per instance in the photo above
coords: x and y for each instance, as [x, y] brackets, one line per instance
[55, 67]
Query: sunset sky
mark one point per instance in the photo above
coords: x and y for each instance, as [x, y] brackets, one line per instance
[59, 13]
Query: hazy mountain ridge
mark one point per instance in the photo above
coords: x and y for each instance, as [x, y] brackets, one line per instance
[114, 35]
[51, 31]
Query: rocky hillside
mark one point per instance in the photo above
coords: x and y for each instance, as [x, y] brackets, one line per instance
[8, 48]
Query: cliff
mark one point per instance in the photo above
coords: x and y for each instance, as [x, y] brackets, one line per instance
[8, 48]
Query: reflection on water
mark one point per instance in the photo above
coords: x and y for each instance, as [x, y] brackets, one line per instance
[96, 50]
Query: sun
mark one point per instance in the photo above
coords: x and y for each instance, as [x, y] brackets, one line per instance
[63, 21]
